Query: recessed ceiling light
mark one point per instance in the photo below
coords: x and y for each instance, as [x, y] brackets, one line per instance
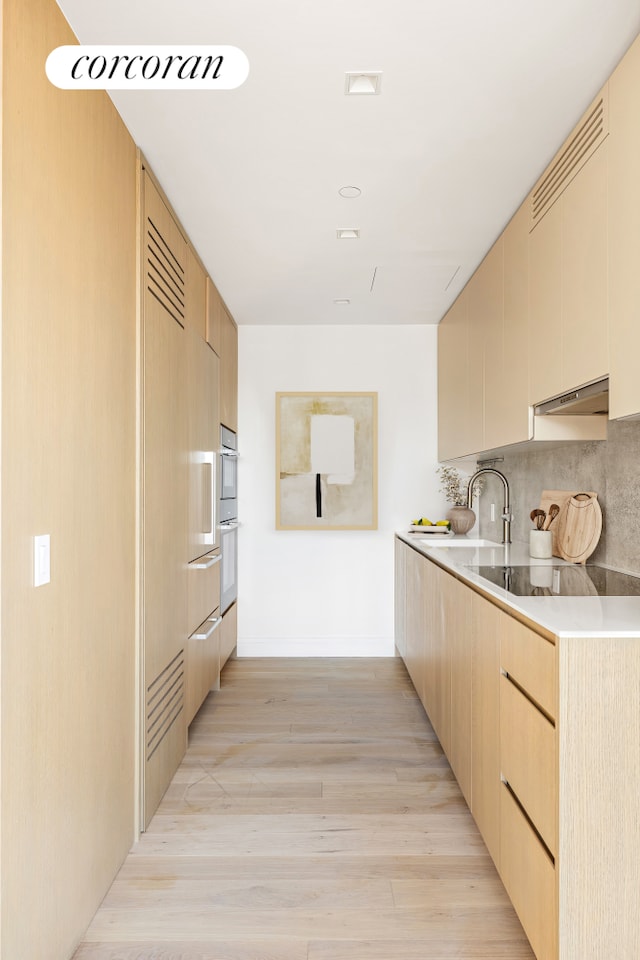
[344, 302]
[358, 83]
[349, 192]
[348, 233]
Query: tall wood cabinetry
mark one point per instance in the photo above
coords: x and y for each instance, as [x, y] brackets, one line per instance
[164, 495]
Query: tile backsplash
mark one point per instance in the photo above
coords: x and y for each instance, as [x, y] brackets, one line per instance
[609, 467]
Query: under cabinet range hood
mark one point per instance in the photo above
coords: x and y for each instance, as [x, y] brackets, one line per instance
[584, 401]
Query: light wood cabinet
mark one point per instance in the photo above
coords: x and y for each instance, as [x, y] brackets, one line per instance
[400, 597]
[509, 422]
[485, 722]
[554, 773]
[229, 372]
[165, 490]
[195, 306]
[415, 619]
[203, 425]
[453, 385]
[624, 235]
[437, 661]
[214, 309]
[228, 633]
[457, 630]
[545, 307]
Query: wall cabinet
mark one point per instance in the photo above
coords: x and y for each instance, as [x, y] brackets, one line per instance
[542, 732]
[229, 372]
[624, 235]
[213, 334]
[453, 381]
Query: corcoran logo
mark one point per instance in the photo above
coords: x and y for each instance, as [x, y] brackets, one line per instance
[100, 67]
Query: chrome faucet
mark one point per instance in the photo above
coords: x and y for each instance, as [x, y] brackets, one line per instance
[506, 515]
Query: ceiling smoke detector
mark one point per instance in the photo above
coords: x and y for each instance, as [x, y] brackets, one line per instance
[358, 84]
[348, 233]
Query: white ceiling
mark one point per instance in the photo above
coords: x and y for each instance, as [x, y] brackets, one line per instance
[476, 97]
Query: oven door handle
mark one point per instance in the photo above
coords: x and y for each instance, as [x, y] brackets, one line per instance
[229, 525]
[225, 452]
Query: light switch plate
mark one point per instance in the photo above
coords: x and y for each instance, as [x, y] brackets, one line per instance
[41, 559]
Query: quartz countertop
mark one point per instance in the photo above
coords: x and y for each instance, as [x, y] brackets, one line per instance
[563, 616]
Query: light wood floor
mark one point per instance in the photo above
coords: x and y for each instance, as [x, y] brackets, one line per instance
[313, 818]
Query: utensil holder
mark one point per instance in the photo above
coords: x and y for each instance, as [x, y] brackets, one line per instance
[540, 544]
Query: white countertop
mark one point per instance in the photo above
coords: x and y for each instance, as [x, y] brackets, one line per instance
[563, 616]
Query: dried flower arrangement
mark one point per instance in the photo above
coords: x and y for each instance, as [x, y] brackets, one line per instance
[455, 486]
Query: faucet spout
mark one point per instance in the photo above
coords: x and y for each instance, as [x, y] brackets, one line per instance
[506, 515]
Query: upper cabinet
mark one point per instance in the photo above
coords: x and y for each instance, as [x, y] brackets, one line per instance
[214, 317]
[229, 372]
[624, 235]
[568, 342]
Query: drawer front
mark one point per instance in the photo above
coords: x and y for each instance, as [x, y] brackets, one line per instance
[528, 759]
[529, 878]
[531, 661]
[203, 579]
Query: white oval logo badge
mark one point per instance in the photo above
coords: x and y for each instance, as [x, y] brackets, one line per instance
[113, 67]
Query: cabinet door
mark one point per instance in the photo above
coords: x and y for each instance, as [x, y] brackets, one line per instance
[490, 335]
[228, 634]
[453, 387]
[400, 595]
[415, 620]
[203, 660]
[485, 722]
[164, 539]
[196, 314]
[456, 603]
[624, 235]
[437, 667]
[203, 421]
[229, 373]
[214, 317]
[545, 307]
[585, 349]
[476, 330]
[511, 408]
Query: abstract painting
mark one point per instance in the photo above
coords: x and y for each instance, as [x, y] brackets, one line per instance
[326, 461]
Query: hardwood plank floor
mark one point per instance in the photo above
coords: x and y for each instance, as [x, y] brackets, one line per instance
[314, 817]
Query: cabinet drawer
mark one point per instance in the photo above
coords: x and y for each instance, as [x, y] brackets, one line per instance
[528, 759]
[529, 878]
[203, 580]
[531, 661]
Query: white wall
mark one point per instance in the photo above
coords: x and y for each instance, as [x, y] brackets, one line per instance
[330, 593]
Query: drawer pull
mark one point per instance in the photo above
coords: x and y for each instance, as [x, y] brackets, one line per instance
[528, 696]
[524, 813]
[206, 562]
[215, 623]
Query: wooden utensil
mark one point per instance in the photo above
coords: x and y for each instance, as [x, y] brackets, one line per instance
[552, 513]
[538, 517]
[579, 527]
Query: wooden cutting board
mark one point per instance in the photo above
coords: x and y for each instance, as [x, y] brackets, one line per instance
[560, 497]
[579, 525]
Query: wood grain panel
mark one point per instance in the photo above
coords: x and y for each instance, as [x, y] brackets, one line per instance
[531, 660]
[68, 469]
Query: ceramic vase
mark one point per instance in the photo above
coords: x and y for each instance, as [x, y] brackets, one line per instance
[462, 519]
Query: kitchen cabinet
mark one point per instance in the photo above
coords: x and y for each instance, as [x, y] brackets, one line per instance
[195, 306]
[228, 633]
[554, 763]
[415, 619]
[164, 495]
[437, 668]
[485, 721]
[509, 423]
[624, 235]
[490, 323]
[568, 261]
[214, 309]
[400, 594]
[203, 426]
[453, 381]
[229, 371]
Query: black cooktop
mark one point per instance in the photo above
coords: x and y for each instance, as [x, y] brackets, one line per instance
[555, 580]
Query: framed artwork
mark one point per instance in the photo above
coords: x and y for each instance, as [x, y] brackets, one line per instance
[326, 461]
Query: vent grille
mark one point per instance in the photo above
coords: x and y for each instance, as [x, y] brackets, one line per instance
[581, 145]
[165, 274]
[165, 702]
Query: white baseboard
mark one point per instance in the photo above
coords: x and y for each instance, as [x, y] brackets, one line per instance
[318, 647]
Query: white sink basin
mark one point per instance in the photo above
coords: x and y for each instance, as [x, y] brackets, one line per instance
[458, 542]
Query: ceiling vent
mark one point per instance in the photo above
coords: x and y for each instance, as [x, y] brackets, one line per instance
[362, 84]
[348, 233]
[585, 140]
